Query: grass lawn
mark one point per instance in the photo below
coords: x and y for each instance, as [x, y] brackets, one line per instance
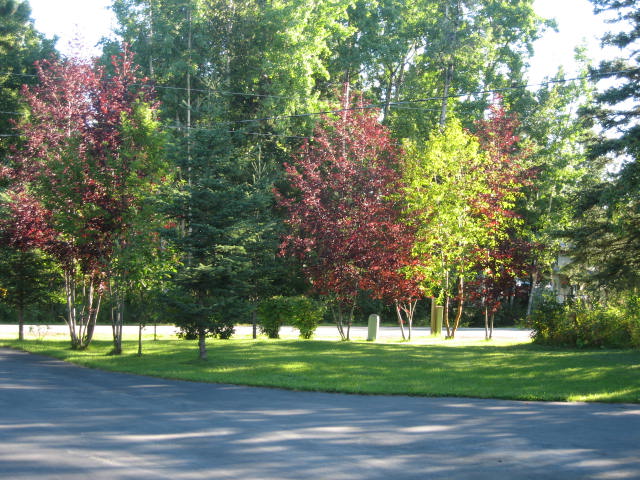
[430, 367]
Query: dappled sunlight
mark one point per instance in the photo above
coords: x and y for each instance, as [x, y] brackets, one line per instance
[615, 396]
[132, 426]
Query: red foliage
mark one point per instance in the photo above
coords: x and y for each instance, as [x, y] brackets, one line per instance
[68, 177]
[502, 264]
[506, 173]
[344, 211]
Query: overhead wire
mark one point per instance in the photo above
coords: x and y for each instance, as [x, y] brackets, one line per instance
[400, 104]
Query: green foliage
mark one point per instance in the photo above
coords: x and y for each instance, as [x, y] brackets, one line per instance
[20, 46]
[273, 313]
[606, 238]
[307, 315]
[302, 312]
[578, 324]
[442, 177]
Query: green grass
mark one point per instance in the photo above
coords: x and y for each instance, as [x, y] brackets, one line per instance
[432, 367]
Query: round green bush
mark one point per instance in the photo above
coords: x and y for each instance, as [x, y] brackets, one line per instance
[301, 312]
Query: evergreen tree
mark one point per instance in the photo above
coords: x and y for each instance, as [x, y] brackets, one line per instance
[221, 237]
[608, 241]
[20, 46]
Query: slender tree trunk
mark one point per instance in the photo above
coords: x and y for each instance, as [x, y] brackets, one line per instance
[405, 312]
[445, 315]
[20, 323]
[400, 320]
[486, 323]
[254, 323]
[202, 345]
[117, 316]
[343, 324]
[140, 327]
[81, 323]
[456, 323]
[532, 292]
[445, 312]
[493, 315]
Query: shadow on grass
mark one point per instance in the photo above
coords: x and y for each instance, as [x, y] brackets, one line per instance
[519, 371]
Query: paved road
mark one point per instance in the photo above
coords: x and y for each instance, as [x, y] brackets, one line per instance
[59, 421]
[329, 332]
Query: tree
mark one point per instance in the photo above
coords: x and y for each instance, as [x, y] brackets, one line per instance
[443, 178]
[26, 279]
[507, 254]
[80, 182]
[20, 46]
[342, 209]
[558, 136]
[219, 235]
[219, 64]
[461, 192]
[434, 50]
[607, 239]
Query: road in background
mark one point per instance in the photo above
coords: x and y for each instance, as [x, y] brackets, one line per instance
[324, 332]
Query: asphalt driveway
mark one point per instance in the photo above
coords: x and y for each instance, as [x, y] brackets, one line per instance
[59, 421]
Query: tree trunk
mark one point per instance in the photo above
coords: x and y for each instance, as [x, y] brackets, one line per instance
[202, 345]
[341, 322]
[532, 292]
[456, 322]
[445, 315]
[117, 318]
[81, 315]
[254, 322]
[408, 308]
[486, 323]
[493, 315]
[20, 323]
[140, 327]
[400, 320]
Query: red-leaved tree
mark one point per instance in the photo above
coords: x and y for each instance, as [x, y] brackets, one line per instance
[505, 259]
[344, 210]
[79, 179]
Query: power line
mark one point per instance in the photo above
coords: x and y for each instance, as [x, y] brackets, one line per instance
[168, 87]
[421, 100]
[207, 128]
[591, 76]
[392, 104]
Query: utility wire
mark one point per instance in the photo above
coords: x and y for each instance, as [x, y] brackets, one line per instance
[392, 104]
[591, 76]
[422, 100]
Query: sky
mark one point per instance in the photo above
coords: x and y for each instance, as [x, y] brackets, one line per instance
[89, 20]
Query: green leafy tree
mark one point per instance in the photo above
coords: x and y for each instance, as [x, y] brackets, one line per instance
[607, 241]
[558, 135]
[81, 181]
[443, 177]
[20, 46]
[460, 195]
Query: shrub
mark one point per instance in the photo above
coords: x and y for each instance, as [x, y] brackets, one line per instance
[272, 314]
[549, 324]
[301, 312]
[307, 315]
[576, 324]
